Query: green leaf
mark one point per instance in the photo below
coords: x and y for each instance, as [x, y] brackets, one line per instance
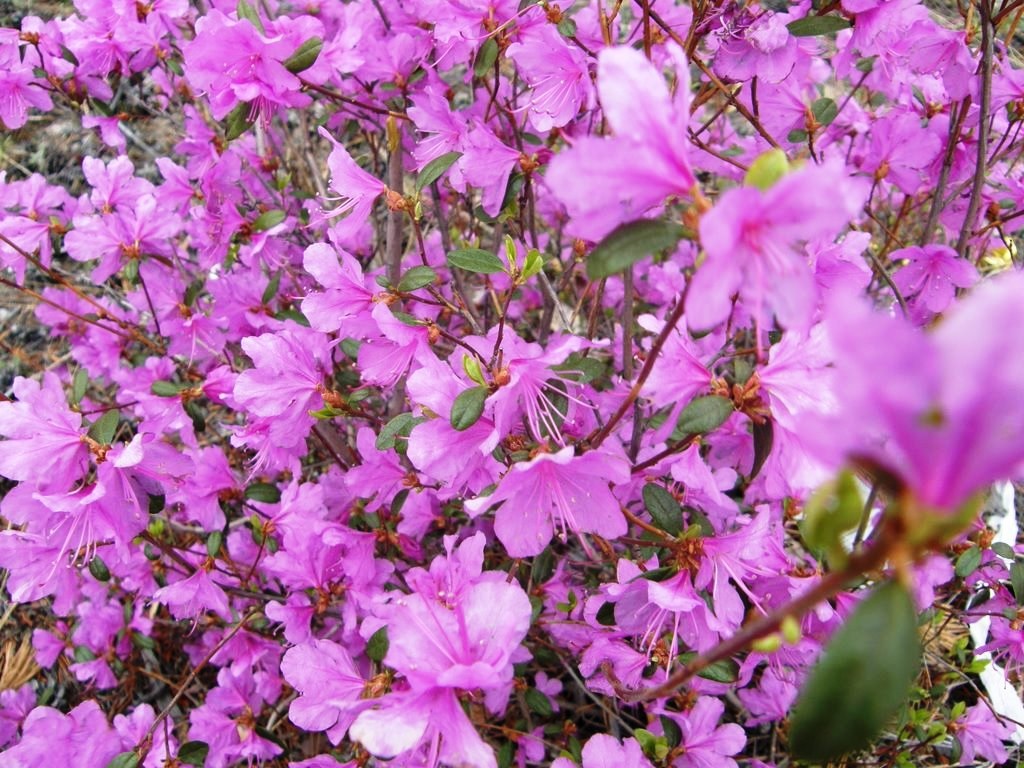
[704, 414]
[566, 27]
[416, 278]
[543, 567]
[246, 11]
[104, 428]
[764, 438]
[268, 220]
[468, 407]
[79, 384]
[435, 169]
[1003, 549]
[99, 569]
[294, 315]
[813, 26]
[824, 111]
[663, 573]
[305, 56]
[165, 388]
[268, 493]
[156, 504]
[505, 753]
[238, 121]
[472, 368]
[663, 508]
[378, 644]
[124, 760]
[1017, 581]
[767, 169]
[534, 263]
[194, 753]
[861, 679]
[476, 260]
[400, 426]
[213, 543]
[830, 512]
[968, 562]
[673, 733]
[797, 136]
[538, 702]
[485, 57]
[271, 290]
[629, 243]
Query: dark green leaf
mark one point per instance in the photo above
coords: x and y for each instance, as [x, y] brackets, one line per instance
[567, 27]
[824, 111]
[193, 291]
[468, 407]
[124, 760]
[165, 389]
[485, 57]
[658, 574]
[268, 220]
[505, 753]
[194, 753]
[305, 56]
[1017, 581]
[538, 702]
[813, 26]
[294, 315]
[104, 428]
[764, 437]
[435, 169]
[698, 518]
[265, 492]
[663, 508]
[476, 260]
[417, 278]
[238, 121]
[246, 11]
[377, 645]
[861, 679]
[968, 562]
[271, 290]
[629, 243]
[606, 615]
[196, 414]
[543, 567]
[673, 733]
[797, 136]
[704, 414]
[99, 569]
[157, 502]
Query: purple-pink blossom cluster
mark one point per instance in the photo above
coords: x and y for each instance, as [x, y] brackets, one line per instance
[433, 380]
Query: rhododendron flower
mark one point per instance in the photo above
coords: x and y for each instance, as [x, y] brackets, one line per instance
[557, 75]
[556, 491]
[932, 275]
[356, 189]
[954, 423]
[705, 743]
[19, 88]
[981, 735]
[749, 237]
[232, 62]
[755, 43]
[330, 688]
[604, 182]
[604, 751]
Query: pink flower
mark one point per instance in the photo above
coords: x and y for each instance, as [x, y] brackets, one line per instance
[45, 442]
[900, 149]
[330, 688]
[604, 182]
[557, 75]
[604, 751]
[750, 237]
[982, 735]
[556, 490]
[194, 596]
[356, 189]
[706, 744]
[931, 276]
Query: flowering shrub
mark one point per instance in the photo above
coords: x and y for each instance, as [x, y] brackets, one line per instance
[440, 382]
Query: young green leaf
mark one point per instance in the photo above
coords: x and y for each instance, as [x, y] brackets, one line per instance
[104, 428]
[268, 220]
[861, 679]
[246, 11]
[238, 121]
[485, 57]
[968, 562]
[629, 243]
[378, 644]
[767, 169]
[468, 407]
